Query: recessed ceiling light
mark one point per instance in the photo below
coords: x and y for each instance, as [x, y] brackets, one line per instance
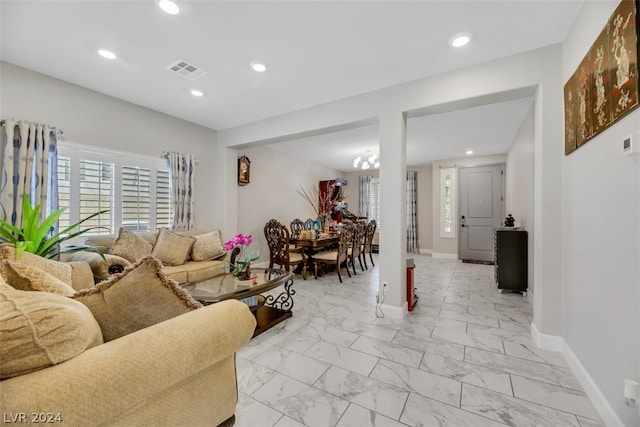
[169, 7]
[460, 40]
[196, 92]
[468, 152]
[107, 54]
[258, 67]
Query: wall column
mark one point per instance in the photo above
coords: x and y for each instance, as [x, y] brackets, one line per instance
[393, 212]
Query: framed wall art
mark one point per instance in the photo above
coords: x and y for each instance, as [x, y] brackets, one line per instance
[244, 170]
[605, 87]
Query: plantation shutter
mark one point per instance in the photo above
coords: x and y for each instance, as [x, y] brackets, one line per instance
[164, 217]
[136, 198]
[96, 194]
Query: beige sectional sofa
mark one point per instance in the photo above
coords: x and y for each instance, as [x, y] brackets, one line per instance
[64, 363]
[190, 271]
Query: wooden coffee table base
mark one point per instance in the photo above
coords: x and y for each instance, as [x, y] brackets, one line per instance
[267, 317]
[269, 310]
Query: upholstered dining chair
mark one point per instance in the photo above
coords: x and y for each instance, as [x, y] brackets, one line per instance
[337, 257]
[355, 251]
[367, 248]
[277, 236]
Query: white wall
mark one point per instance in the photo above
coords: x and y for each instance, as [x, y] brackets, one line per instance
[448, 245]
[519, 184]
[601, 295]
[275, 178]
[91, 118]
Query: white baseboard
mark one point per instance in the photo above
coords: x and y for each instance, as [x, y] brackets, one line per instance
[600, 402]
[544, 341]
[395, 312]
[426, 251]
[444, 256]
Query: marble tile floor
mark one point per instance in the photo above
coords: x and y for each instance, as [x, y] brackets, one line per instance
[463, 357]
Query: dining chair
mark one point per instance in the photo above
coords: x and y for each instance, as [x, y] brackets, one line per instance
[337, 257]
[367, 248]
[355, 251]
[296, 227]
[277, 236]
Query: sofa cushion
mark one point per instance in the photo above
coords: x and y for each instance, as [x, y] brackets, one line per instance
[139, 297]
[29, 278]
[203, 270]
[57, 269]
[172, 248]
[130, 246]
[208, 246]
[40, 329]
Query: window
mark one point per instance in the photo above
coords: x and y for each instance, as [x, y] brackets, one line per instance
[447, 202]
[135, 190]
[374, 201]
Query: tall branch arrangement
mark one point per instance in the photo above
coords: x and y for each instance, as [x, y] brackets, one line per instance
[321, 203]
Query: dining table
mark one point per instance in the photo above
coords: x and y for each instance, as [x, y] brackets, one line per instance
[313, 245]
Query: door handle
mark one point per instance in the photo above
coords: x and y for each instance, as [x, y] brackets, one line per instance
[462, 221]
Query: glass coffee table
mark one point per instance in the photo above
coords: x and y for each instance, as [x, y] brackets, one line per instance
[269, 310]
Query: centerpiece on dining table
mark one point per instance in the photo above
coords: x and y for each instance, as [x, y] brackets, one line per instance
[240, 261]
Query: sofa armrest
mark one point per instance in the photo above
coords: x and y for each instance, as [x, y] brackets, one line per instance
[102, 268]
[107, 380]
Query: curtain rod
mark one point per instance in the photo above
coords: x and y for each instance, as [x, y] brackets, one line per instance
[58, 131]
[447, 167]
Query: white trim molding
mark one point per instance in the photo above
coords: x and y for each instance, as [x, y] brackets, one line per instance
[591, 389]
[395, 312]
[426, 251]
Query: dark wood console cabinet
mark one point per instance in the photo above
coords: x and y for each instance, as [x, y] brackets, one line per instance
[511, 255]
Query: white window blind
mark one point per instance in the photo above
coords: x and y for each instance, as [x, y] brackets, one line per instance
[164, 211]
[447, 202]
[96, 194]
[64, 190]
[136, 198]
[134, 189]
[374, 202]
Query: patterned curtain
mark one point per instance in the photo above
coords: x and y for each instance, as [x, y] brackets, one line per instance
[364, 198]
[29, 166]
[412, 213]
[182, 185]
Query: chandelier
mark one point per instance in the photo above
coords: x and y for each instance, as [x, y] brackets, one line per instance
[371, 161]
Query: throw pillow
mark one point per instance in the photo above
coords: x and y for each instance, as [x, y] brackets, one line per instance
[130, 246]
[207, 246]
[57, 269]
[172, 248]
[39, 329]
[28, 278]
[139, 297]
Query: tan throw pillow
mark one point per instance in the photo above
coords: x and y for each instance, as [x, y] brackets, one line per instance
[140, 297]
[207, 246]
[130, 246]
[39, 329]
[28, 278]
[172, 248]
[57, 269]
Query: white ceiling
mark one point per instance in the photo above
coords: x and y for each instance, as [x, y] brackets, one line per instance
[316, 51]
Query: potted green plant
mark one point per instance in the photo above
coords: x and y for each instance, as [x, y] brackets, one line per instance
[38, 238]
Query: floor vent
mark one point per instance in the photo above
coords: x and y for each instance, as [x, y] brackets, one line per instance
[186, 70]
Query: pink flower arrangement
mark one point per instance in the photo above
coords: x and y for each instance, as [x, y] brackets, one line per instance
[238, 240]
[241, 263]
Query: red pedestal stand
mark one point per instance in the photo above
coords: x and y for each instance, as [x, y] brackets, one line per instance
[412, 298]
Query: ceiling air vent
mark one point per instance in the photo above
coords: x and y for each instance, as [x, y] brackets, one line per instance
[186, 70]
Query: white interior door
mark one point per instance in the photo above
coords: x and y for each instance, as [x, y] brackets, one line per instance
[481, 210]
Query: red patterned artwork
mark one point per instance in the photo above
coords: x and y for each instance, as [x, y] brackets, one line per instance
[605, 87]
